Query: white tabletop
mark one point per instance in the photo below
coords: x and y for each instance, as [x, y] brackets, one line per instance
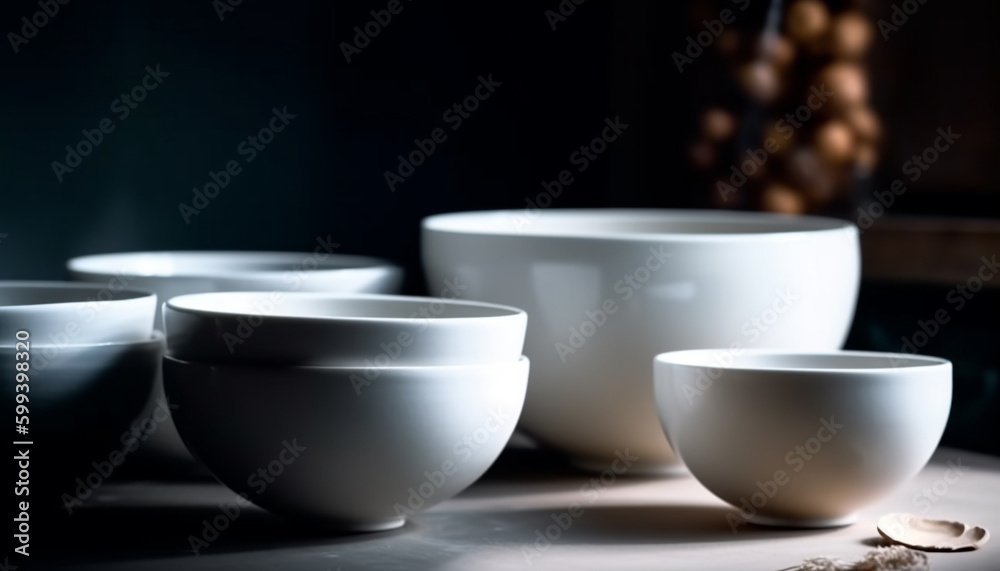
[650, 524]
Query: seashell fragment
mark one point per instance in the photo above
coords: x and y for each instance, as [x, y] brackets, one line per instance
[931, 534]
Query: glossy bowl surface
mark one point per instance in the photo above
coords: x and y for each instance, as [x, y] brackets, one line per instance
[333, 446]
[607, 290]
[802, 439]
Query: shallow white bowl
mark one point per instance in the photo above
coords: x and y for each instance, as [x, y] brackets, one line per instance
[326, 329]
[701, 279]
[60, 313]
[802, 439]
[171, 274]
[320, 444]
[84, 400]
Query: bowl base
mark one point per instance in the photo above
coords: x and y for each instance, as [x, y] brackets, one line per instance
[804, 523]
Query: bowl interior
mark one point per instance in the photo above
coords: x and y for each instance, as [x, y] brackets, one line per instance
[195, 264]
[845, 361]
[319, 305]
[629, 223]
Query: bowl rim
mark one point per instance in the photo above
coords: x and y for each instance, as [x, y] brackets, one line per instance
[124, 294]
[112, 264]
[156, 338]
[508, 312]
[798, 226]
[688, 358]
[522, 361]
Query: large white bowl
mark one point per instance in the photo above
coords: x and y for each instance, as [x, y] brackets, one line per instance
[59, 313]
[699, 279]
[325, 329]
[315, 443]
[82, 401]
[171, 274]
[802, 439]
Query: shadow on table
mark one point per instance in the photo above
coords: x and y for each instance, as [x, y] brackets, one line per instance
[118, 533]
[612, 525]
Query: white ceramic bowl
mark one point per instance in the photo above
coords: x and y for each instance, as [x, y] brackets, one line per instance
[315, 443]
[171, 274]
[83, 402]
[698, 279]
[59, 313]
[802, 439]
[324, 329]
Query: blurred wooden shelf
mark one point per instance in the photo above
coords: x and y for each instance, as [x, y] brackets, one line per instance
[929, 250]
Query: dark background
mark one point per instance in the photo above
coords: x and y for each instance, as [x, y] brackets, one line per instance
[323, 175]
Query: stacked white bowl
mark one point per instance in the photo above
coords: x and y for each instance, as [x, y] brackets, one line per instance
[79, 365]
[170, 274]
[348, 410]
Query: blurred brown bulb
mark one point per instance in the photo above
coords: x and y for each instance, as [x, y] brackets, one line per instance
[864, 122]
[718, 124]
[808, 172]
[846, 81]
[702, 155]
[835, 142]
[778, 140]
[807, 20]
[851, 35]
[778, 50]
[760, 80]
[781, 198]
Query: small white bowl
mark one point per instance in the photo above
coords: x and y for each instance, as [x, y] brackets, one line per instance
[171, 274]
[802, 439]
[326, 329]
[60, 313]
[325, 445]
